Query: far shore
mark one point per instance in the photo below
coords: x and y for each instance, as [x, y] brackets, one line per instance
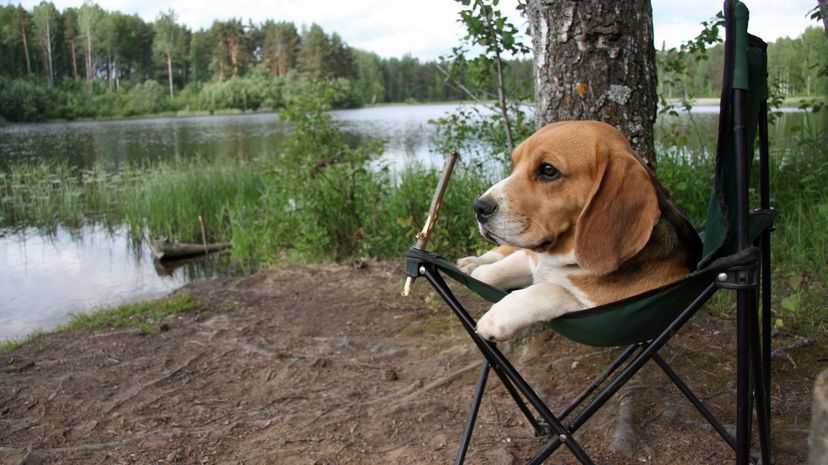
[788, 102]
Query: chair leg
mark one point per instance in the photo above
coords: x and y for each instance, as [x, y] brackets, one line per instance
[765, 246]
[765, 267]
[502, 366]
[475, 407]
[744, 406]
[598, 381]
[714, 422]
[642, 358]
[766, 345]
[631, 369]
[760, 393]
[485, 348]
[504, 369]
[540, 428]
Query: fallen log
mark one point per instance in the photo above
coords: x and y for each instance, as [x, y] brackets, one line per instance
[163, 249]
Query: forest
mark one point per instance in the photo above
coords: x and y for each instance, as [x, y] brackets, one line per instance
[87, 62]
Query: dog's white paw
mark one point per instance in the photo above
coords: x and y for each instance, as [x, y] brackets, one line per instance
[488, 273]
[498, 324]
[469, 264]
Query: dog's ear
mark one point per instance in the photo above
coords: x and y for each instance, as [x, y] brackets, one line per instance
[619, 215]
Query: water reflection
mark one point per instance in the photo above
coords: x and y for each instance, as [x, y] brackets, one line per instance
[117, 143]
[45, 277]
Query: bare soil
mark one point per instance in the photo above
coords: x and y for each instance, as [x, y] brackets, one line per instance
[329, 365]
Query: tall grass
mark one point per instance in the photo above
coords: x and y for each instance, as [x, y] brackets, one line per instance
[269, 212]
[166, 198]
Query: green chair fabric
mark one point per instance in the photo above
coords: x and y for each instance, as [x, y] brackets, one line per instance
[720, 226]
[632, 320]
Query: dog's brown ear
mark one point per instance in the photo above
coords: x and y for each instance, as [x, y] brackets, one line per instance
[619, 216]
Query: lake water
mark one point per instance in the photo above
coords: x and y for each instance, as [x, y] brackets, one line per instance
[45, 277]
[117, 143]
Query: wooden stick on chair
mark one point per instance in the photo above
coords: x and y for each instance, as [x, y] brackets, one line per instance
[433, 212]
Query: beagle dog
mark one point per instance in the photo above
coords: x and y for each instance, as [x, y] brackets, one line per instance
[580, 222]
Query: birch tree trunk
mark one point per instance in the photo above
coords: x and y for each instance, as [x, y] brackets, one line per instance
[90, 72]
[595, 59]
[48, 46]
[169, 72]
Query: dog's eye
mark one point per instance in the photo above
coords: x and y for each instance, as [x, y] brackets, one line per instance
[547, 172]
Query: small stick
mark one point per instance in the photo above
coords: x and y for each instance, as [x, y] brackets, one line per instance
[433, 212]
[203, 235]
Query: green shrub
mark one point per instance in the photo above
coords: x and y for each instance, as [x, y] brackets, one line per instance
[146, 98]
[23, 100]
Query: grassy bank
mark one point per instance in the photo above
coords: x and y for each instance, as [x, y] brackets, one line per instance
[144, 316]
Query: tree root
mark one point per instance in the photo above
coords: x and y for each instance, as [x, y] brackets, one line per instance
[388, 402]
[175, 432]
[131, 393]
[798, 344]
[448, 378]
[625, 434]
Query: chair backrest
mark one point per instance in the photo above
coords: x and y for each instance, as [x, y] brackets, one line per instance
[745, 69]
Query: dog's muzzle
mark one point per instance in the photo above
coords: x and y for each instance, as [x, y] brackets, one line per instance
[484, 209]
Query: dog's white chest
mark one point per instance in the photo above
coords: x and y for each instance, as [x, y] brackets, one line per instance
[557, 269]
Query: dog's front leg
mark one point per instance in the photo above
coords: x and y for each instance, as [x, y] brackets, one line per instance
[511, 272]
[469, 264]
[522, 308]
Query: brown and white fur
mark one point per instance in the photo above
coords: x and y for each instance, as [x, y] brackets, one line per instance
[580, 222]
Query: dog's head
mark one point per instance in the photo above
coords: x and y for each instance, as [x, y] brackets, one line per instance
[576, 187]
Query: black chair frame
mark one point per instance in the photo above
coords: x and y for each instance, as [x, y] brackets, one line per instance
[746, 272]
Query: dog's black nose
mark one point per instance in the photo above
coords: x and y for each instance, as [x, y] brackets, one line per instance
[484, 209]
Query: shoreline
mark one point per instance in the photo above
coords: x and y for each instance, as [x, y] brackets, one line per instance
[788, 103]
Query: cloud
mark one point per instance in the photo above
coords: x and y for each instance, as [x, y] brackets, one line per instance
[429, 28]
[675, 22]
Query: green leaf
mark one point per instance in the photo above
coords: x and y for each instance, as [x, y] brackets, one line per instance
[791, 302]
[795, 282]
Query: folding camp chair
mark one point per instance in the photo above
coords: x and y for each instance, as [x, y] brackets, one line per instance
[736, 257]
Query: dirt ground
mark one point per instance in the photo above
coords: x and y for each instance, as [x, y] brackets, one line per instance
[329, 365]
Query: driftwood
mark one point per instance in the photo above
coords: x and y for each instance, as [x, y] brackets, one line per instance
[163, 249]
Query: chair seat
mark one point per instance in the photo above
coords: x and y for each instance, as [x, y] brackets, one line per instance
[632, 320]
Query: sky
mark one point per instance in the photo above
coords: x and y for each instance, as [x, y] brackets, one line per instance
[428, 28]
